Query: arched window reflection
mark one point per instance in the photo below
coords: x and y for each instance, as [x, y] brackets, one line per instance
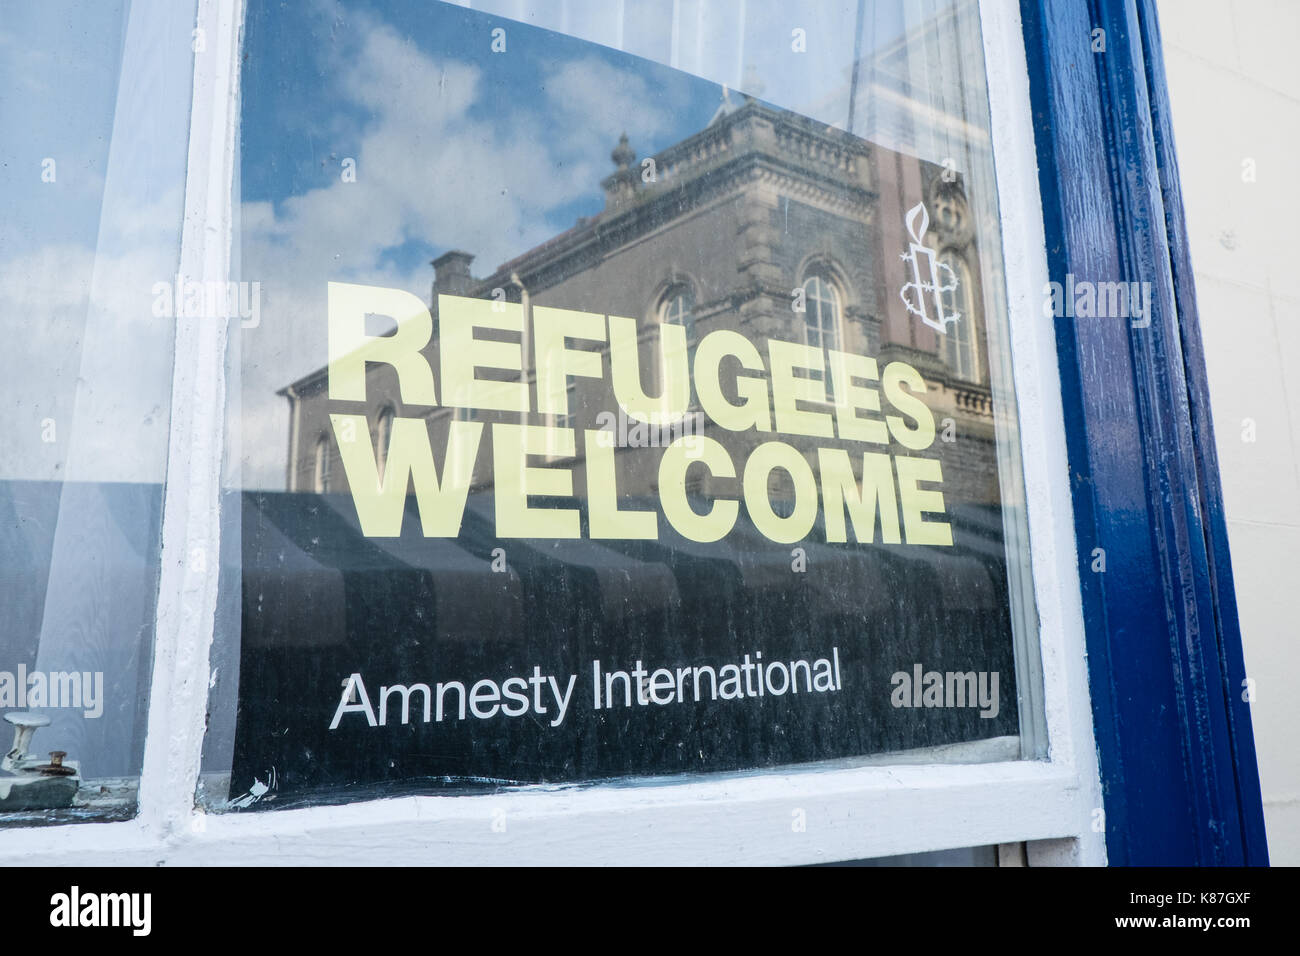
[678, 308]
[959, 342]
[821, 312]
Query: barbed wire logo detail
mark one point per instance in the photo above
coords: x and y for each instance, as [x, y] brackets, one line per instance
[928, 291]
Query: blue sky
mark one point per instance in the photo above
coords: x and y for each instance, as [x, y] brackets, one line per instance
[58, 86]
[302, 113]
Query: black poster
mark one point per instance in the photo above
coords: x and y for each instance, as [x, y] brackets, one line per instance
[703, 476]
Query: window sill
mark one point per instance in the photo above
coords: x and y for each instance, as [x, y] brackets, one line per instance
[811, 814]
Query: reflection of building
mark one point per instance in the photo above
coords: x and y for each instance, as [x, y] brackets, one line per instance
[726, 230]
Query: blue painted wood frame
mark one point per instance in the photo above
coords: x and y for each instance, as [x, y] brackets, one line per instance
[1174, 740]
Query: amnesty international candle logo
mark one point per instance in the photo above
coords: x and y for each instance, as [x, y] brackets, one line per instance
[931, 277]
[813, 394]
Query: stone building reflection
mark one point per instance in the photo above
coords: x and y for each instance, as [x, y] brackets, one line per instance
[764, 223]
[734, 228]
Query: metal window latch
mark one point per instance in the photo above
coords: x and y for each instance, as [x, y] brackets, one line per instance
[27, 782]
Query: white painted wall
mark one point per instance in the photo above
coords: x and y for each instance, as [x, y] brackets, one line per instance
[1234, 82]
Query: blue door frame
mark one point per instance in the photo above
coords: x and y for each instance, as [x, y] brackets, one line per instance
[1166, 671]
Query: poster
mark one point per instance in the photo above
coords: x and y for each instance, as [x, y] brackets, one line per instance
[707, 480]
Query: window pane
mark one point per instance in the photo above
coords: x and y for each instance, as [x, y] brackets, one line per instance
[93, 132]
[592, 553]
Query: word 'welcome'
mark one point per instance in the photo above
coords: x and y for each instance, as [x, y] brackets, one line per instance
[795, 389]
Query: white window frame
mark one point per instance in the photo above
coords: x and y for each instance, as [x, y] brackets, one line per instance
[848, 811]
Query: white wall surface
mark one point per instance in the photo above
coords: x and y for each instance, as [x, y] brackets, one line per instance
[1234, 81]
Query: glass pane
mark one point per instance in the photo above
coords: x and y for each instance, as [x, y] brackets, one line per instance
[94, 113]
[597, 550]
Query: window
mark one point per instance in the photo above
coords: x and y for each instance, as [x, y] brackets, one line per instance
[635, 543]
[569, 418]
[556, 441]
[821, 312]
[332, 611]
[93, 193]
[458, 456]
[678, 308]
[322, 472]
[958, 345]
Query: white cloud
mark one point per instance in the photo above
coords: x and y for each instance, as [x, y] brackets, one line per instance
[601, 97]
[90, 355]
[80, 252]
